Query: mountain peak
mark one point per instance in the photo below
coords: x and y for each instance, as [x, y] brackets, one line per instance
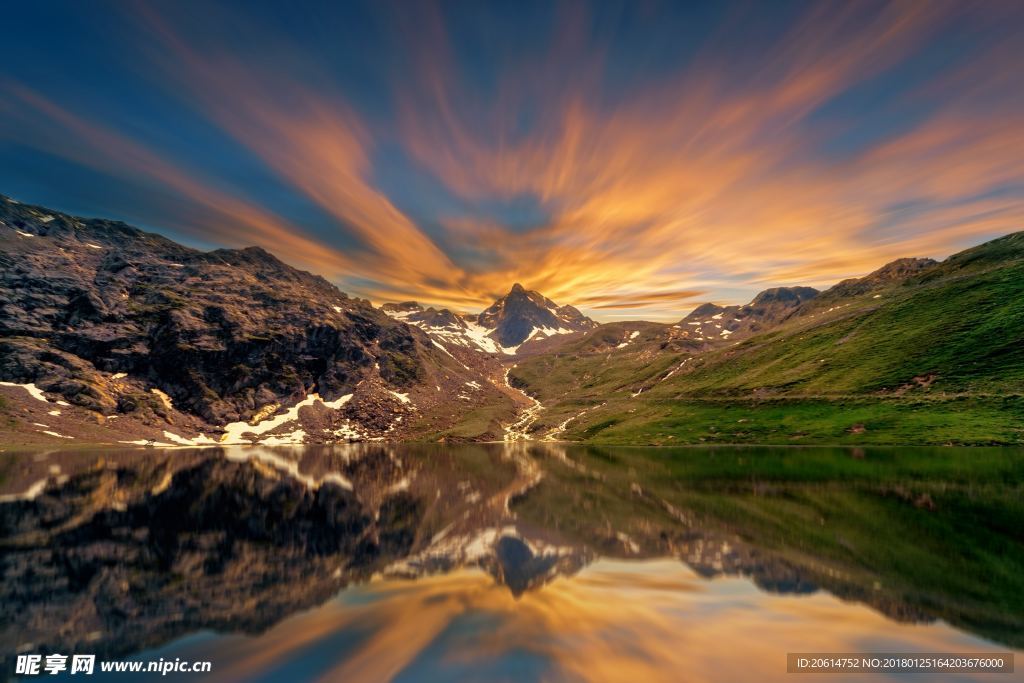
[710, 322]
[890, 274]
[522, 314]
[789, 296]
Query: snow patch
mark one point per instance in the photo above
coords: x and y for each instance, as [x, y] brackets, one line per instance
[349, 433]
[233, 432]
[32, 389]
[478, 335]
[676, 369]
[164, 398]
[399, 315]
[338, 402]
[438, 345]
[31, 493]
[628, 340]
[201, 440]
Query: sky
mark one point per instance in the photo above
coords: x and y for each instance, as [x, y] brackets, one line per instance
[634, 159]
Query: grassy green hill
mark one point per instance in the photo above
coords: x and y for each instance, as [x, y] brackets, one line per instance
[936, 358]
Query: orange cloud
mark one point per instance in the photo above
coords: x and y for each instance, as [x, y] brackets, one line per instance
[696, 182]
[224, 217]
[639, 299]
[317, 144]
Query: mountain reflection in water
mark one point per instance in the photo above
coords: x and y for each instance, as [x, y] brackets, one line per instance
[510, 562]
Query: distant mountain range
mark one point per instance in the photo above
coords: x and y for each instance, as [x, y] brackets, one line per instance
[102, 322]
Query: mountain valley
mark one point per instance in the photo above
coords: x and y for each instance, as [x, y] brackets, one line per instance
[110, 334]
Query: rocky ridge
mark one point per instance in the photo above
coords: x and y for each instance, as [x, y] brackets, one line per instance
[712, 323]
[184, 346]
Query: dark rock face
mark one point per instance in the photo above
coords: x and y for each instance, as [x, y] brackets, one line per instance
[780, 298]
[892, 273]
[510, 321]
[515, 316]
[710, 322]
[221, 333]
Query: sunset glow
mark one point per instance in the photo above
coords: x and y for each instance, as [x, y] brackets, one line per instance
[634, 166]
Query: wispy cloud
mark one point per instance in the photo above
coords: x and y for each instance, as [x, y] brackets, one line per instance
[843, 140]
[222, 216]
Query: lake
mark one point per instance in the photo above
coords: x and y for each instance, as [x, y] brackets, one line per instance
[520, 562]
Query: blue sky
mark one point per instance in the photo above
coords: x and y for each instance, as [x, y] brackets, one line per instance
[634, 158]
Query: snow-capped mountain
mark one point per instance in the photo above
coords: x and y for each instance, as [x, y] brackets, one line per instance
[446, 327]
[520, 317]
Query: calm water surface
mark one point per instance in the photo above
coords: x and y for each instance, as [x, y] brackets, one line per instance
[511, 562]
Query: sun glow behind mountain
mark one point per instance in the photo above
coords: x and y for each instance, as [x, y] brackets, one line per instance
[632, 160]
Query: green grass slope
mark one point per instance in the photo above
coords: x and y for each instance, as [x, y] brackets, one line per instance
[938, 358]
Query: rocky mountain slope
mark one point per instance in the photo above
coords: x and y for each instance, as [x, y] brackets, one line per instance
[517, 323]
[102, 321]
[895, 272]
[723, 323]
